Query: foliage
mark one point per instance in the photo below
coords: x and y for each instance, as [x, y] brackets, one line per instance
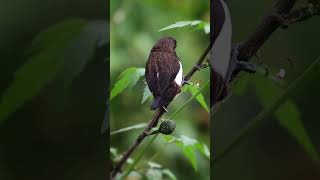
[188, 146]
[128, 79]
[198, 24]
[60, 52]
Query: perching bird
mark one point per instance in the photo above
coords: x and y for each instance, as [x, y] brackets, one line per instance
[164, 72]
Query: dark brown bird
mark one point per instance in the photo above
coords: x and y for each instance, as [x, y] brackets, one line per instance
[164, 72]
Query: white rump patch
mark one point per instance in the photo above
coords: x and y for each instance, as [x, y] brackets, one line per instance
[179, 78]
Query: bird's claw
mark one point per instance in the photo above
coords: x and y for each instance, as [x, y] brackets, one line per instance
[187, 82]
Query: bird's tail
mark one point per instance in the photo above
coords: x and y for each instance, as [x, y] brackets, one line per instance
[156, 103]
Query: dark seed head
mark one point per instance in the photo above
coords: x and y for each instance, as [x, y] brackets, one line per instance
[167, 127]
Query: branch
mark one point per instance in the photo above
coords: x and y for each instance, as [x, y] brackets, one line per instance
[249, 48]
[157, 115]
[303, 13]
[270, 23]
[264, 30]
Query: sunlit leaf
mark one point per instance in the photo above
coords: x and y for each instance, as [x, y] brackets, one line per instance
[114, 152]
[198, 24]
[203, 149]
[200, 98]
[154, 174]
[146, 94]
[204, 26]
[136, 126]
[288, 114]
[189, 152]
[187, 145]
[187, 141]
[181, 24]
[128, 78]
[154, 165]
[169, 174]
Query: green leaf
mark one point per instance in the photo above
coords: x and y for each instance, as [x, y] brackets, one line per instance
[203, 149]
[290, 118]
[187, 144]
[114, 153]
[128, 78]
[199, 25]
[200, 98]
[204, 26]
[181, 24]
[154, 174]
[288, 114]
[189, 152]
[46, 59]
[146, 94]
[169, 138]
[169, 174]
[187, 141]
[82, 50]
[136, 126]
[154, 165]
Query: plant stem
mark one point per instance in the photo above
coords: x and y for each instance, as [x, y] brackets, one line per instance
[154, 137]
[263, 115]
[135, 162]
[189, 100]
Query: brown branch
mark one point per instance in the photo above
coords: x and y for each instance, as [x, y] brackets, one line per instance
[269, 24]
[303, 13]
[157, 115]
[264, 30]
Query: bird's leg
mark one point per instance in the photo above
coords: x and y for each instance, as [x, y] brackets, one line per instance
[236, 65]
[246, 66]
[165, 109]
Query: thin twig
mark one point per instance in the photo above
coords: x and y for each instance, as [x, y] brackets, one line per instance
[263, 115]
[157, 115]
[251, 46]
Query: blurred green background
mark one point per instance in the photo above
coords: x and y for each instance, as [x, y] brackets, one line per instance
[270, 152]
[55, 134]
[135, 26]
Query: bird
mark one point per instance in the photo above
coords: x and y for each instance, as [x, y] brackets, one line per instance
[164, 73]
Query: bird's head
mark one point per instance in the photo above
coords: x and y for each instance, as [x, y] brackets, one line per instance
[167, 44]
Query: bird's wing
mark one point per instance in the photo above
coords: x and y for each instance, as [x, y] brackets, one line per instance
[161, 70]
